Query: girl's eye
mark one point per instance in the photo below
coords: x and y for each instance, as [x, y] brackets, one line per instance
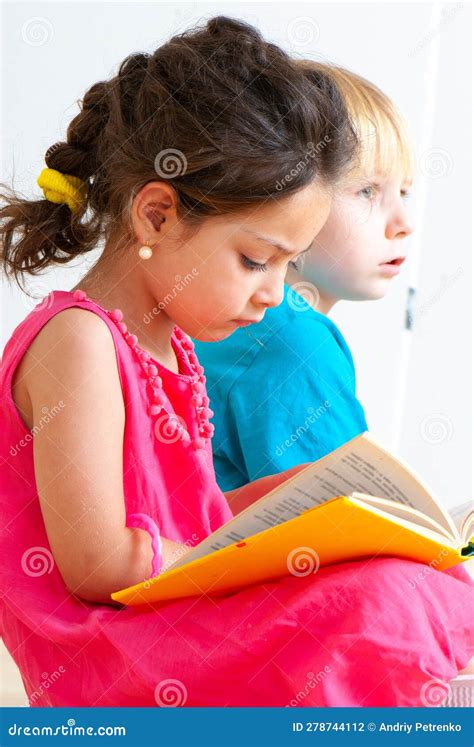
[406, 195]
[250, 265]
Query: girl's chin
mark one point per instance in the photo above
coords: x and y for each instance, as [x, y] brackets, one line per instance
[214, 335]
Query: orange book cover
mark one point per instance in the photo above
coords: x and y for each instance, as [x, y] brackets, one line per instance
[341, 529]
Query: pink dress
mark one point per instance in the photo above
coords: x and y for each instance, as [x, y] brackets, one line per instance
[369, 633]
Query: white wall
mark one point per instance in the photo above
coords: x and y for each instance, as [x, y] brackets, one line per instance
[415, 386]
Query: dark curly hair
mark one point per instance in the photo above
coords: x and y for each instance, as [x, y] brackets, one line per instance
[219, 112]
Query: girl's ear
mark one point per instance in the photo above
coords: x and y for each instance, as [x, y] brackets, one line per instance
[155, 216]
[152, 206]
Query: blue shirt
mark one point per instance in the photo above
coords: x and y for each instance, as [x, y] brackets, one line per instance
[282, 391]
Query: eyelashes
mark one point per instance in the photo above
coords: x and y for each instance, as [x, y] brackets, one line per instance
[250, 265]
[297, 264]
[259, 267]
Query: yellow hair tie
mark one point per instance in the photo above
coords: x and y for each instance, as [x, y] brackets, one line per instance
[61, 188]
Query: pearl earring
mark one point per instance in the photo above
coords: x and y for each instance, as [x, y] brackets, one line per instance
[145, 252]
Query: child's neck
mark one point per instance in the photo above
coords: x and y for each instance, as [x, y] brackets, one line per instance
[113, 288]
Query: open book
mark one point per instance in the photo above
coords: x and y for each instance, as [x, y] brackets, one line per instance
[357, 502]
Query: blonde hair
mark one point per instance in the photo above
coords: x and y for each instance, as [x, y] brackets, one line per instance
[385, 145]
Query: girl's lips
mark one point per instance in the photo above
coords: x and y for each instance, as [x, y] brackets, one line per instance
[246, 322]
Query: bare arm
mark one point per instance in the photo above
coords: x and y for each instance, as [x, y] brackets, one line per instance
[78, 459]
[242, 497]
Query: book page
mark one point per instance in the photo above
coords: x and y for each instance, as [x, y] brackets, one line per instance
[365, 467]
[407, 513]
[360, 465]
[406, 522]
[463, 517]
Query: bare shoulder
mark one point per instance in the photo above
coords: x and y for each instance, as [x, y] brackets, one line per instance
[73, 328]
[74, 347]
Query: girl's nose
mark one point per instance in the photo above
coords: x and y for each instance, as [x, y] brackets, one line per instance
[270, 293]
